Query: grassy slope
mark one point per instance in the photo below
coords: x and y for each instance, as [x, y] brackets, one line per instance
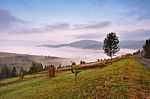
[124, 79]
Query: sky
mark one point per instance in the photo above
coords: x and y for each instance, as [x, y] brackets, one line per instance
[63, 21]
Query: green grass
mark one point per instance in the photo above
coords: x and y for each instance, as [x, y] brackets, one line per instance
[121, 80]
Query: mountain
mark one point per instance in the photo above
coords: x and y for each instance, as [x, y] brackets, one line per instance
[84, 44]
[93, 44]
[132, 44]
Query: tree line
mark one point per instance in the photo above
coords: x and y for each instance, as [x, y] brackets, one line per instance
[7, 72]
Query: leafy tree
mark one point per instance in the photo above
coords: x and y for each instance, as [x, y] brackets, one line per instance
[14, 72]
[146, 49]
[111, 44]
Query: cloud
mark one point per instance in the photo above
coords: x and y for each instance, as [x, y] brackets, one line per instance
[28, 28]
[90, 35]
[11, 24]
[8, 20]
[93, 25]
[138, 9]
[99, 3]
[145, 16]
[139, 34]
[58, 26]
[139, 14]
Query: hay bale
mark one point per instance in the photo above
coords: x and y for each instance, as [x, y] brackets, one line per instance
[51, 71]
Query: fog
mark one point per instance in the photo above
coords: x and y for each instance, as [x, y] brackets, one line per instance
[65, 52]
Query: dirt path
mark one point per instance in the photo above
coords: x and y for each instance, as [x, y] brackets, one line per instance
[143, 60]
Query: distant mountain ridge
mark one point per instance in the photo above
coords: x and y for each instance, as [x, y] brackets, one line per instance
[93, 44]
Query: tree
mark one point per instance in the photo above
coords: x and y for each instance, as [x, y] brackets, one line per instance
[111, 44]
[75, 71]
[33, 68]
[137, 52]
[45, 68]
[146, 49]
[59, 66]
[14, 72]
[22, 72]
[82, 62]
[5, 71]
[39, 67]
[73, 63]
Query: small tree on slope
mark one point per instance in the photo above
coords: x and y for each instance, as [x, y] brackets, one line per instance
[14, 72]
[111, 44]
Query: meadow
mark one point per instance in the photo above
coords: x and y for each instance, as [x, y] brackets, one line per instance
[124, 79]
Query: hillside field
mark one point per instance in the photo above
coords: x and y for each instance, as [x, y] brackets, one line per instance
[125, 79]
